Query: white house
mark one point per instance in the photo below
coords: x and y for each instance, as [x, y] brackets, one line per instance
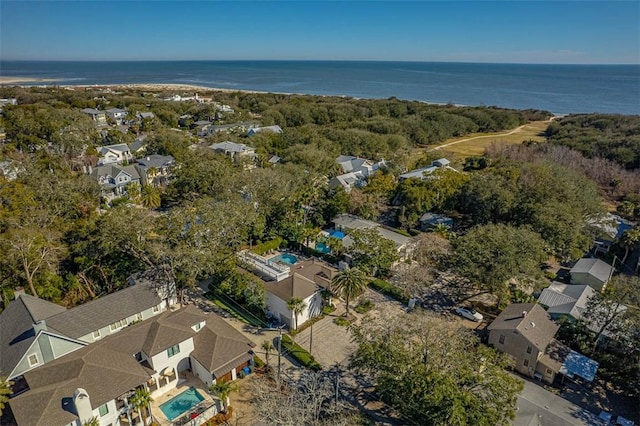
[306, 281]
[114, 179]
[355, 172]
[425, 172]
[269, 129]
[117, 115]
[114, 154]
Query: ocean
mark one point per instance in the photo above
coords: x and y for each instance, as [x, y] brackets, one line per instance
[561, 89]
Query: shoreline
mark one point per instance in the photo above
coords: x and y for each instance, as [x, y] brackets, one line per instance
[15, 80]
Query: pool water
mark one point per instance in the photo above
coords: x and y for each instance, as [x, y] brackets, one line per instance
[181, 403]
[287, 258]
[322, 248]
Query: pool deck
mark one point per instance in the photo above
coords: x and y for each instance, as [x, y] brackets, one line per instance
[186, 381]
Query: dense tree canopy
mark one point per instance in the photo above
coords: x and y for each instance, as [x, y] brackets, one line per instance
[435, 372]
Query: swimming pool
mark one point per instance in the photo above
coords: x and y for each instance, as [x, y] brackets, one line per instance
[287, 258]
[322, 248]
[181, 403]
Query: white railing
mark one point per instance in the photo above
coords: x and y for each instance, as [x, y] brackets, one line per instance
[274, 271]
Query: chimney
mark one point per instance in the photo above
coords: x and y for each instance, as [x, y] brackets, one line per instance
[524, 314]
[83, 405]
[40, 326]
[17, 292]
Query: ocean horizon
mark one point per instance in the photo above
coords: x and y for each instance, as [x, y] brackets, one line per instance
[560, 89]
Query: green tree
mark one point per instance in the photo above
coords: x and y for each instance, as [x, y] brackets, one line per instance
[150, 197]
[5, 391]
[296, 305]
[628, 240]
[434, 372]
[370, 251]
[140, 401]
[223, 389]
[267, 347]
[93, 421]
[350, 284]
[488, 256]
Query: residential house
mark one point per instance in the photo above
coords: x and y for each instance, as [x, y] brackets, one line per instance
[355, 170]
[269, 129]
[97, 380]
[430, 220]
[346, 222]
[145, 116]
[114, 154]
[525, 332]
[155, 169]
[565, 300]
[34, 332]
[592, 272]
[117, 115]
[138, 146]
[609, 229]
[234, 150]
[306, 281]
[424, 173]
[98, 116]
[7, 101]
[114, 179]
[241, 127]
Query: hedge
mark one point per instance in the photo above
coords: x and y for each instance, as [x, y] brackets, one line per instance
[299, 354]
[389, 290]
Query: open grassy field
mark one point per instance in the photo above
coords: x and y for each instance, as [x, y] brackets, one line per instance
[475, 144]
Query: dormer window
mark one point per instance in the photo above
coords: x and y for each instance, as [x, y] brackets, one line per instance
[138, 356]
[33, 360]
[197, 327]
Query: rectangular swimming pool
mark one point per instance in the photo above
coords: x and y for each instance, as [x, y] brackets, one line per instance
[181, 403]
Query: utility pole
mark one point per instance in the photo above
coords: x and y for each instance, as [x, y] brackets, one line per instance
[279, 355]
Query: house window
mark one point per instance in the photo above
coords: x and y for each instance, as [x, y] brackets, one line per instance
[138, 356]
[501, 340]
[175, 349]
[549, 371]
[118, 324]
[33, 360]
[139, 316]
[96, 335]
[103, 410]
[526, 362]
[156, 309]
[528, 349]
[197, 327]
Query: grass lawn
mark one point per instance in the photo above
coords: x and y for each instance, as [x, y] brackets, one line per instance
[475, 144]
[236, 310]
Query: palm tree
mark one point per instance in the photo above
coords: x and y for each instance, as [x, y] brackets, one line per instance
[141, 399]
[628, 240]
[267, 347]
[93, 421]
[443, 230]
[5, 391]
[350, 284]
[150, 197]
[296, 305]
[222, 389]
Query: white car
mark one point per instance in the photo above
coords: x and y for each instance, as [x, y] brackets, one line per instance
[469, 313]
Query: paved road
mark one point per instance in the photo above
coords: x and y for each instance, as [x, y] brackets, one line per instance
[539, 407]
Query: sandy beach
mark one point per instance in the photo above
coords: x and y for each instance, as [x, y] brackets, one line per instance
[18, 80]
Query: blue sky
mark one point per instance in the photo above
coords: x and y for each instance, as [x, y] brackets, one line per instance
[479, 31]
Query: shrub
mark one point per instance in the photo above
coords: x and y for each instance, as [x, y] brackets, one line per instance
[268, 246]
[389, 289]
[326, 309]
[299, 354]
[258, 362]
[364, 306]
[342, 322]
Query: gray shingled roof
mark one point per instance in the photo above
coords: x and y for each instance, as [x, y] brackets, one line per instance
[535, 325]
[16, 327]
[595, 267]
[156, 160]
[219, 347]
[105, 373]
[348, 221]
[106, 310]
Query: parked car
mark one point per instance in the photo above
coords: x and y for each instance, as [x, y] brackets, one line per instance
[469, 313]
